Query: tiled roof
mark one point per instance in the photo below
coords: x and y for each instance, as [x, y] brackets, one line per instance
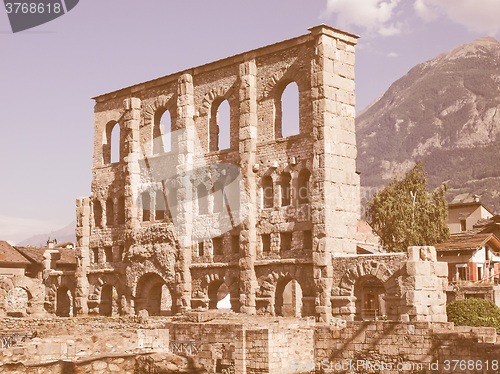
[68, 256]
[9, 255]
[487, 224]
[35, 254]
[468, 241]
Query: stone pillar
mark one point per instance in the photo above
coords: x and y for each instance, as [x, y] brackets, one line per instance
[185, 141]
[335, 184]
[428, 279]
[247, 150]
[132, 152]
[82, 255]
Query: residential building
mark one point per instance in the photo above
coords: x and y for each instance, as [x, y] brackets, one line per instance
[464, 214]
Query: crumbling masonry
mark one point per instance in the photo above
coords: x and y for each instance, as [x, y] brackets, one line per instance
[168, 229]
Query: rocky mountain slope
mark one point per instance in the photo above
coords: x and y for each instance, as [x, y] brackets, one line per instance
[446, 112]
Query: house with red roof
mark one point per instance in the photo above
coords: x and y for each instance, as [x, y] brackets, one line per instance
[11, 261]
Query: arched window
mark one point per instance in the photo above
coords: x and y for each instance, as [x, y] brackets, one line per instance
[220, 129]
[267, 192]
[110, 215]
[159, 205]
[120, 211]
[115, 144]
[111, 150]
[171, 203]
[219, 198]
[162, 140]
[146, 206]
[285, 188]
[202, 193]
[97, 213]
[287, 112]
[303, 192]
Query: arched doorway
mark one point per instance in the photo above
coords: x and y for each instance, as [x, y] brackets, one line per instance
[106, 304]
[153, 295]
[219, 295]
[288, 298]
[64, 302]
[369, 292]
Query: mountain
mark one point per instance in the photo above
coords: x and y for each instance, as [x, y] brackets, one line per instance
[66, 234]
[446, 112]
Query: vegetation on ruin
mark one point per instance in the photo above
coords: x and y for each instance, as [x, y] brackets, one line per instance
[474, 312]
[404, 213]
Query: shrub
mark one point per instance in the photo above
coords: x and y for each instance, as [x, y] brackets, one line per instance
[474, 312]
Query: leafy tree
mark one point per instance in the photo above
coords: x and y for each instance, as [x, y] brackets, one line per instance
[405, 214]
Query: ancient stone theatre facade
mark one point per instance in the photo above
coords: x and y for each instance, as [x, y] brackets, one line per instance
[177, 223]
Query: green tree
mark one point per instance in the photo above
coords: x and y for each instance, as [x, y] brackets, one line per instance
[474, 312]
[405, 214]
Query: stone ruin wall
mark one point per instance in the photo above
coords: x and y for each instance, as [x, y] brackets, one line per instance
[126, 253]
[249, 345]
[322, 65]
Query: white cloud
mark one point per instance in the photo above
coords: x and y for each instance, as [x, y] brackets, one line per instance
[392, 54]
[375, 16]
[481, 16]
[15, 229]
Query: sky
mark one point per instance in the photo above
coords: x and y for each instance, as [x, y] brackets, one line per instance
[48, 74]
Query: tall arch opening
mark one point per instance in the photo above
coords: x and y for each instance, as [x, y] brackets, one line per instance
[160, 205]
[106, 302]
[287, 112]
[162, 132]
[219, 197]
[369, 292]
[153, 295]
[285, 185]
[146, 206]
[304, 186]
[97, 213]
[288, 299]
[110, 214]
[267, 192]
[120, 211]
[219, 295]
[202, 199]
[64, 302]
[220, 126]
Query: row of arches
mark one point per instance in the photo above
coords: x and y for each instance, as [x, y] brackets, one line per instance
[112, 215]
[64, 305]
[288, 190]
[221, 135]
[154, 205]
[154, 296]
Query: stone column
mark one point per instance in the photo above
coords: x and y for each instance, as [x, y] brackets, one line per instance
[185, 136]
[248, 150]
[335, 184]
[428, 278]
[82, 254]
[132, 152]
